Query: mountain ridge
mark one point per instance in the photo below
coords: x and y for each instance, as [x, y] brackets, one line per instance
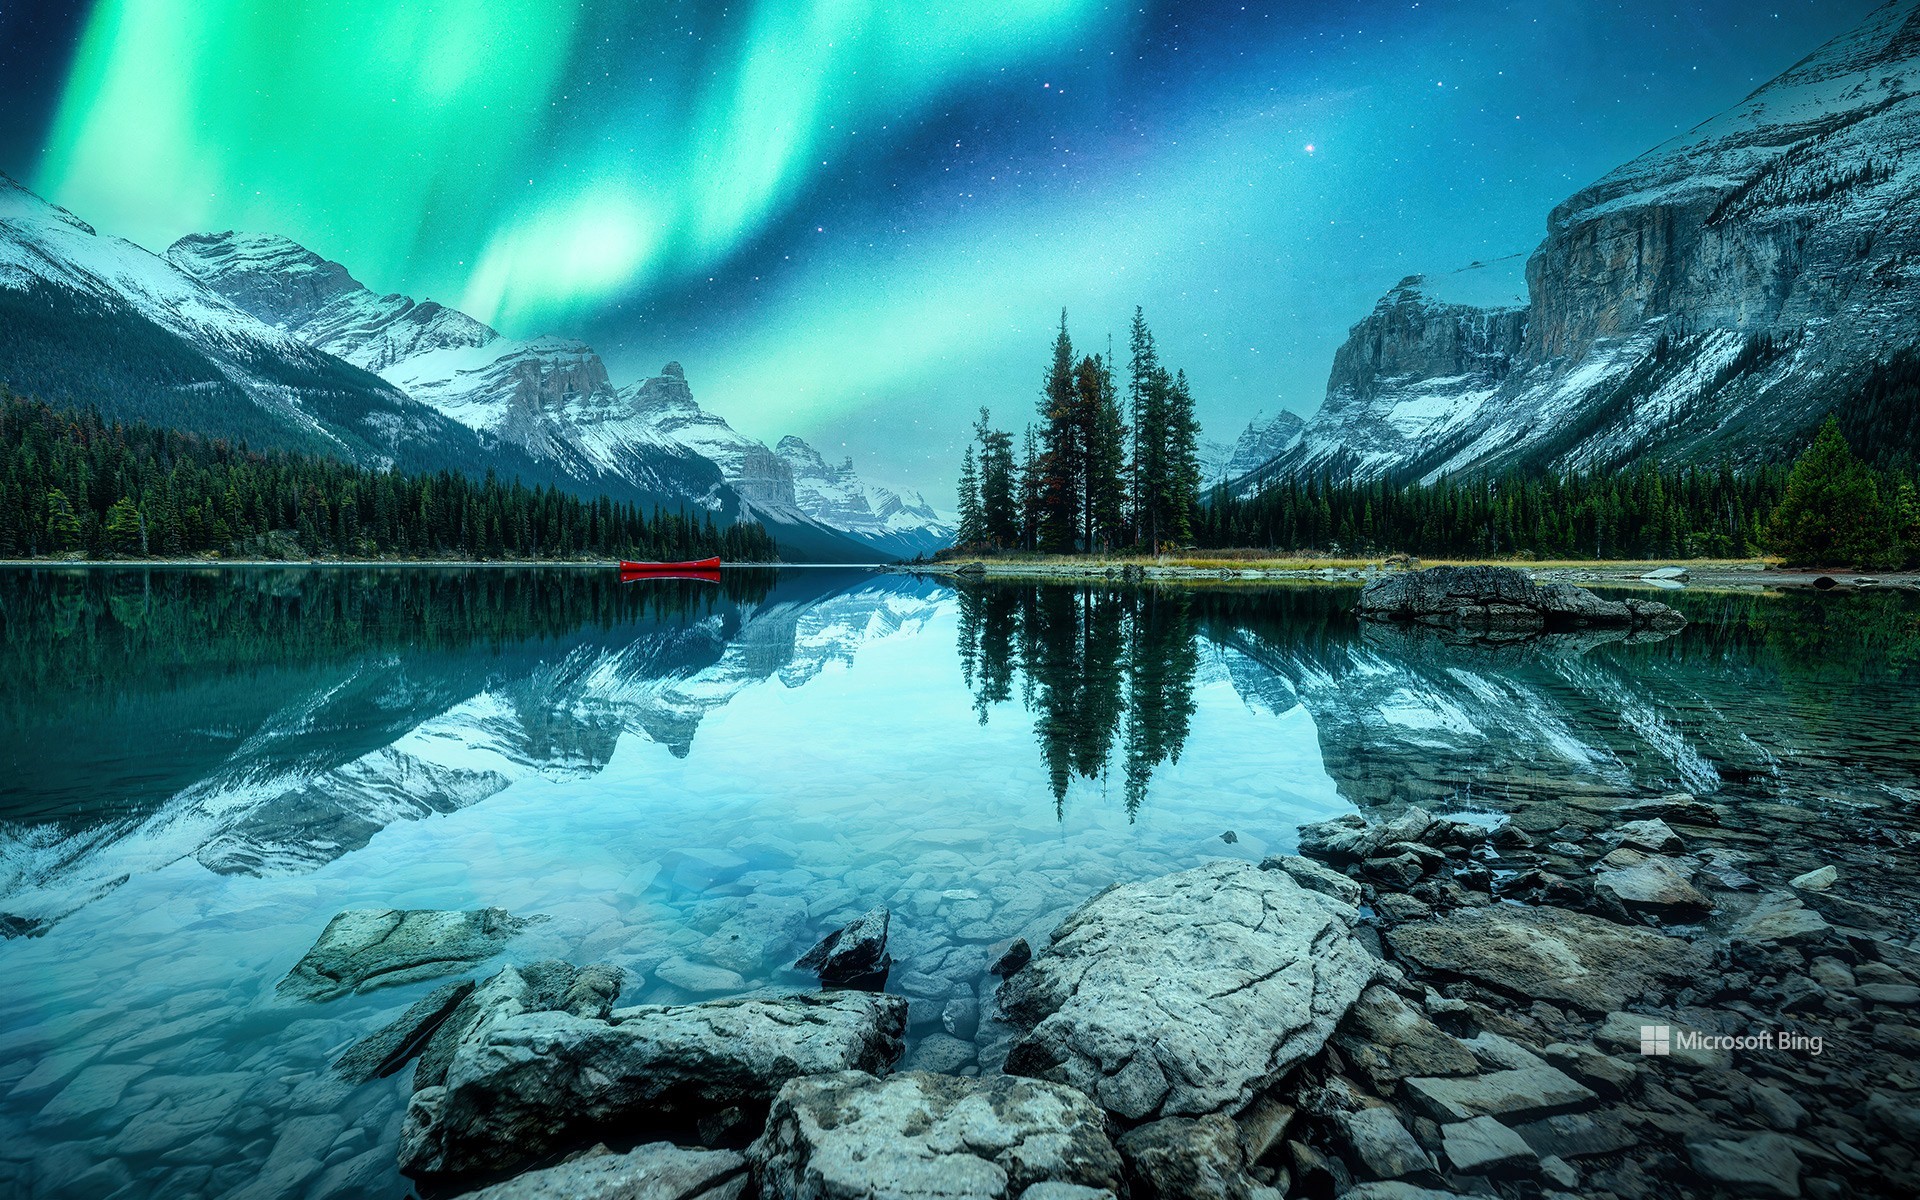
[1709, 297]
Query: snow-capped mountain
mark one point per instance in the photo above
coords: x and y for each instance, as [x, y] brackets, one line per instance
[1713, 296]
[897, 519]
[548, 396]
[791, 490]
[98, 319]
[1263, 438]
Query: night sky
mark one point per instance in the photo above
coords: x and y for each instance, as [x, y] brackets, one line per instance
[859, 225]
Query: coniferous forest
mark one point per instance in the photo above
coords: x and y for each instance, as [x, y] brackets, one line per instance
[1087, 481]
[71, 482]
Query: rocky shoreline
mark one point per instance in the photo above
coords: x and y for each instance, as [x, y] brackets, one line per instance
[1589, 1000]
[1710, 576]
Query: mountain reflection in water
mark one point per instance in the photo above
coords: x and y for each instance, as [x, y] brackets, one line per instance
[273, 720]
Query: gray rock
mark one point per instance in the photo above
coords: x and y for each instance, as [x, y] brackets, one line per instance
[363, 949]
[1779, 1110]
[95, 1089]
[1652, 835]
[1483, 1144]
[382, 1053]
[1375, 1139]
[1184, 995]
[1580, 1135]
[854, 955]
[538, 1082]
[1549, 953]
[1658, 885]
[1764, 1164]
[1314, 877]
[1781, 918]
[1389, 1040]
[940, 1053]
[655, 1171]
[1818, 880]
[1395, 1189]
[1501, 598]
[703, 979]
[1184, 1158]
[1675, 574]
[547, 986]
[850, 1136]
[1522, 1093]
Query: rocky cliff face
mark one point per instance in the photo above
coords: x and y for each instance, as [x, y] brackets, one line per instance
[1258, 442]
[1712, 296]
[666, 403]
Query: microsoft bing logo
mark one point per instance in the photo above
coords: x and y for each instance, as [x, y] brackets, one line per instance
[1656, 1039]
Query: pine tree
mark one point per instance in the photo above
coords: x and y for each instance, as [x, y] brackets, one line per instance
[1103, 434]
[997, 499]
[1146, 393]
[1832, 513]
[973, 522]
[1061, 466]
[1182, 459]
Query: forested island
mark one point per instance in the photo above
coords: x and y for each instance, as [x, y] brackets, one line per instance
[1091, 479]
[75, 485]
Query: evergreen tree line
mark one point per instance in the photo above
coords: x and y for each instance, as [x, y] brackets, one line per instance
[1828, 509]
[69, 481]
[1094, 473]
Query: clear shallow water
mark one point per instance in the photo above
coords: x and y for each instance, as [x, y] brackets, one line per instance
[199, 769]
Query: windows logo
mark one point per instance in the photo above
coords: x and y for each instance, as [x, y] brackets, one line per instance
[1656, 1039]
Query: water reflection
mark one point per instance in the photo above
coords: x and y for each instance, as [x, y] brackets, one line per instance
[1098, 669]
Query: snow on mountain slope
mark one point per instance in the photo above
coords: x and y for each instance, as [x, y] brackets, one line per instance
[549, 397]
[1711, 297]
[897, 519]
[790, 487]
[99, 319]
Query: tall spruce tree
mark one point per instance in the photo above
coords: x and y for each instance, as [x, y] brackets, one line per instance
[1061, 465]
[1182, 457]
[1146, 396]
[998, 506]
[973, 522]
[1103, 434]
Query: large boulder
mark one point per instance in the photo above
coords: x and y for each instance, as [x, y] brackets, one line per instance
[850, 1136]
[1549, 953]
[535, 1083]
[1501, 598]
[364, 949]
[1187, 994]
[655, 1171]
[547, 986]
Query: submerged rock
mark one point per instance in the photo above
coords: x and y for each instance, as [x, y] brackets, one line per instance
[854, 956]
[655, 1171]
[363, 949]
[1184, 995]
[850, 1136]
[382, 1053]
[1501, 598]
[535, 1083]
[1549, 953]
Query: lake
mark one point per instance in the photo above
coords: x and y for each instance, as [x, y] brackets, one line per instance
[695, 782]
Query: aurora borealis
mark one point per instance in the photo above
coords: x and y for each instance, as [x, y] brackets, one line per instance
[858, 221]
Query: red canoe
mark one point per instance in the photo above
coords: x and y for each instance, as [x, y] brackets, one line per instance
[668, 568]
